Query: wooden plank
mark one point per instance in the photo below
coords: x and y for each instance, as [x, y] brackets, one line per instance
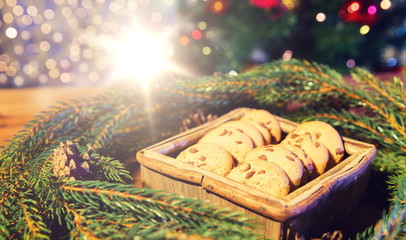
[18, 106]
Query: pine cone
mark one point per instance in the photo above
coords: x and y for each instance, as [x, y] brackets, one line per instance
[68, 162]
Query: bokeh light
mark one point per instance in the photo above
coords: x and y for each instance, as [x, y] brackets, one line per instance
[11, 32]
[287, 55]
[350, 63]
[385, 4]
[372, 10]
[64, 37]
[364, 29]
[391, 62]
[184, 40]
[355, 6]
[206, 50]
[196, 34]
[202, 25]
[321, 17]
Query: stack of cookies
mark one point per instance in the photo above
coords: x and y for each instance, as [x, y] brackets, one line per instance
[251, 151]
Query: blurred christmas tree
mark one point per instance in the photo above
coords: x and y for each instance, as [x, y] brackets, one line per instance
[52, 42]
[340, 33]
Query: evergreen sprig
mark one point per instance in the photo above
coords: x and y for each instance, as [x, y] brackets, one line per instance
[123, 211]
[125, 119]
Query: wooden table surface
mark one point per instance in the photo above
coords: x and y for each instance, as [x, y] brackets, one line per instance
[17, 106]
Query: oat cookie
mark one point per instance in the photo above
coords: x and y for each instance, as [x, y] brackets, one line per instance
[209, 156]
[268, 120]
[283, 157]
[307, 162]
[325, 134]
[316, 151]
[247, 128]
[232, 139]
[266, 135]
[263, 175]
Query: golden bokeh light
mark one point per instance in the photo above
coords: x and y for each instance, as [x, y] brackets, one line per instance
[11, 32]
[8, 18]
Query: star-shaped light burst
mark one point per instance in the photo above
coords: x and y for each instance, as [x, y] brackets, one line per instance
[138, 54]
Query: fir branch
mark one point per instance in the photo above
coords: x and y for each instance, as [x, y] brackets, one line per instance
[30, 220]
[363, 76]
[143, 209]
[393, 224]
[109, 169]
[121, 120]
[41, 170]
[116, 119]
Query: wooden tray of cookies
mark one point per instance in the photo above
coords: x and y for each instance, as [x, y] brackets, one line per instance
[308, 210]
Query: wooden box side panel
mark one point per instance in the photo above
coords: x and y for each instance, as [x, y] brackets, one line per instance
[267, 227]
[343, 198]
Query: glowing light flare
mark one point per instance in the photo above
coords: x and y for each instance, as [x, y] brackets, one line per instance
[392, 62]
[287, 55]
[137, 54]
[372, 10]
[218, 6]
[184, 40]
[202, 25]
[353, 7]
[196, 34]
[350, 63]
[364, 29]
[206, 50]
[11, 32]
[386, 4]
[321, 17]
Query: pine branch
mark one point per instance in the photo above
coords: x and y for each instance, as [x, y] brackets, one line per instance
[393, 224]
[100, 206]
[396, 87]
[125, 119]
[111, 170]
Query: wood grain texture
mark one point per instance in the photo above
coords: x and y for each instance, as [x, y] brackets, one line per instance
[18, 106]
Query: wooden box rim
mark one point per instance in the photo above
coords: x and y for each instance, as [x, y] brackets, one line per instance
[281, 209]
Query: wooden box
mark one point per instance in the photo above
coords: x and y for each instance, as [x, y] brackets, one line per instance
[308, 210]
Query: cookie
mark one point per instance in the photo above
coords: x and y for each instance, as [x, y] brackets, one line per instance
[263, 175]
[307, 162]
[325, 134]
[268, 120]
[209, 156]
[283, 157]
[266, 135]
[247, 128]
[315, 151]
[232, 139]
